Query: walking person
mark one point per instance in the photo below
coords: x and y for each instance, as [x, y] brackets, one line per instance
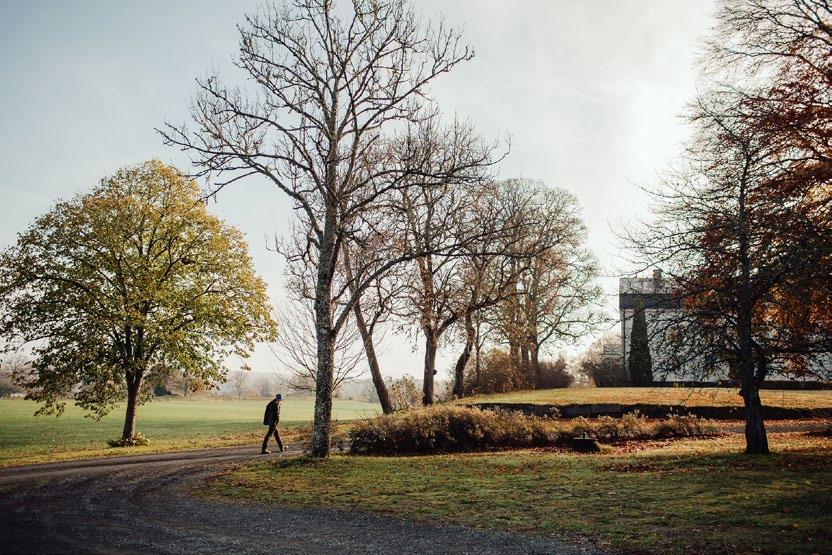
[271, 418]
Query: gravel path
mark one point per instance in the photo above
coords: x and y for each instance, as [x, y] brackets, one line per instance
[142, 505]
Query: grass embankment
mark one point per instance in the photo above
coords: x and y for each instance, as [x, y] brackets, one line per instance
[694, 397]
[170, 424]
[678, 496]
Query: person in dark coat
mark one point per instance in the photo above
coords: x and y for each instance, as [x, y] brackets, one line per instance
[271, 418]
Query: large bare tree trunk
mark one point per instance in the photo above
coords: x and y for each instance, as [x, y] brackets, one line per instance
[325, 338]
[134, 385]
[430, 367]
[372, 361]
[323, 395]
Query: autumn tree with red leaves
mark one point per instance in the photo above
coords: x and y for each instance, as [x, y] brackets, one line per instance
[744, 225]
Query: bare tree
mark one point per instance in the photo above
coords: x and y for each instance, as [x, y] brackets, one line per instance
[296, 348]
[554, 296]
[492, 266]
[333, 82]
[239, 382]
[452, 224]
[602, 367]
[371, 311]
[266, 386]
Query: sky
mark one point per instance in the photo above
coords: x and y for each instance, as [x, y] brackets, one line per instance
[589, 92]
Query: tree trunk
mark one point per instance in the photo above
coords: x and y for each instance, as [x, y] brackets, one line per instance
[756, 441]
[133, 389]
[430, 367]
[327, 262]
[372, 361]
[367, 340]
[478, 357]
[524, 361]
[326, 347]
[462, 361]
[534, 353]
[514, 352]
[323, 394]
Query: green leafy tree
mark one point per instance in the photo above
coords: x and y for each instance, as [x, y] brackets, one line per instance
[640, 363]
[118, 287]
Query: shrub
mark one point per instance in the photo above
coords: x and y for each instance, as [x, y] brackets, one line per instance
[604, 372]
[634, 426]
[404, 393]
[683, 426]
[553, 375]
[136, 440]
[447, 429]
[601, 362]
[498, 374]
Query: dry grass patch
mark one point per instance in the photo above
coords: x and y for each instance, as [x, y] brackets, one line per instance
[720, 397]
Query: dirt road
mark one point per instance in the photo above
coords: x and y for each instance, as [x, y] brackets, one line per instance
[142, 505]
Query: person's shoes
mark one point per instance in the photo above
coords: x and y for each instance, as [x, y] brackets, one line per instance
[265, 452]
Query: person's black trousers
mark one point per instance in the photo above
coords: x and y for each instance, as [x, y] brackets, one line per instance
[272, 430]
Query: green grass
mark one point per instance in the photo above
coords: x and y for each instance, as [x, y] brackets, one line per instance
[684, 496]
[170, 424]
[722, 397]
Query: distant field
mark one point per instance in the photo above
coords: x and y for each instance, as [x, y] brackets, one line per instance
[169, 423]
[721, 397]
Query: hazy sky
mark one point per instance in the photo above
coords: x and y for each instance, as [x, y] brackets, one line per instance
[589, 92]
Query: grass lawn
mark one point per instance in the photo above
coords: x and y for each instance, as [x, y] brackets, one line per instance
[710, 396]
[678, 496]
[170, 424]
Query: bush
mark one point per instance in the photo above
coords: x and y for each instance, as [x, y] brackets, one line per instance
[498, 374]
[554, 375]
[132, 441]
[683, 426]
[601, 363]
[604, 372]
[634, 426]
[8, 387]
[447, 429]
[404, 393]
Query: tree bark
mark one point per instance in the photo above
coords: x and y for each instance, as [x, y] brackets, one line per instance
[372, 361]
[534, 354]
[756, 441]
[478, 356]
[134, 385]
[327, 260]
[430, 368]
[462, 361]
[524, 360]
[323, 394]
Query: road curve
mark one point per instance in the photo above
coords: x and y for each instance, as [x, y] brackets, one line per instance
[142, 504]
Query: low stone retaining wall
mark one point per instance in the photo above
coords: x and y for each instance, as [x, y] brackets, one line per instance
[652, 411]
